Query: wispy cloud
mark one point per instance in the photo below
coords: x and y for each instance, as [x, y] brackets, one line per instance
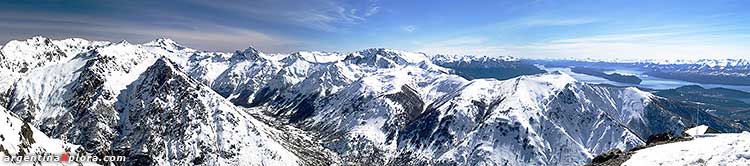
[408, 28]
[200, 35]
[325, 15]
[664, 45]
[604, 50]
[616, 38]
[228, 25]
[557, 22]
[372, 10]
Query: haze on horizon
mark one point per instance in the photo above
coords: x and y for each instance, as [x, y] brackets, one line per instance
[522, 28]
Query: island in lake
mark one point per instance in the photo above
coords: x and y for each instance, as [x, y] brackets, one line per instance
[616, 77]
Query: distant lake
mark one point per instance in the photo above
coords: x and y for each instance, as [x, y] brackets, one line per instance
[648, 81]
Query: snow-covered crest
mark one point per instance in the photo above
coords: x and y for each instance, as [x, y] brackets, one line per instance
[470, 58]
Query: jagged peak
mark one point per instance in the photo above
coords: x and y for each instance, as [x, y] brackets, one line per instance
[250, 53]
[41, 40]
[32, 49]
[164, 63]
[314, 56]
[166, 43]
[35, 40]
[162, 71]
[162, 41]
[251, 50]
[123, 42]
[386, 57]
[441, 58]
[38, 38]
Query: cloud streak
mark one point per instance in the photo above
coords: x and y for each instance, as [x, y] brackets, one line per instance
[557, 22]
[273, 26]
[613, 46]
[200, 35]
[325, 15]
[408, 28]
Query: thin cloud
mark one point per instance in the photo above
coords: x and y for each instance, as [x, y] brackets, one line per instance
[616, 38]
[665, 45]
[372, 11]
[408, 28]
[557, 22]
[323, 15]
[200, 35]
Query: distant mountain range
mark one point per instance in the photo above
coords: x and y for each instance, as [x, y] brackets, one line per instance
[707, 71]
[161, 103]
[473, 67]
[617, 77]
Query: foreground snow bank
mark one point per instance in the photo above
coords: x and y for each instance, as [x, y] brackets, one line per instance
[714, 149]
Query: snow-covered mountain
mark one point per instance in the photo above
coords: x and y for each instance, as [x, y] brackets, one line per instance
[711, 63]
[471, 58]
[168, 118]
[132, 100]
[477, 67]
[708, 71]
[163, 103]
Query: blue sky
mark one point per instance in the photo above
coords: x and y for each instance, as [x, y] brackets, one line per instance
[528, 28]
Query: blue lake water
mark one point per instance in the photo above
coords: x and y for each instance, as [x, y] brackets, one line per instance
[648, 81]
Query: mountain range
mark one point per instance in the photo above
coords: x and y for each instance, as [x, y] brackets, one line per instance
[704, 71]
[161, 103]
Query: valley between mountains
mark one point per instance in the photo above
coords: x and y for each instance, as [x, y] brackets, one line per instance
[161, 103]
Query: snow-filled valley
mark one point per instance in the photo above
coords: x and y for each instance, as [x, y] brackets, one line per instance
[161, 103]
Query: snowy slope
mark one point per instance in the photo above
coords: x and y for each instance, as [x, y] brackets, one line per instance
[83, 90]
[19, 57]
[170, 119]
[20, 138]
[22, 56]
[712, 149]
[518, 122]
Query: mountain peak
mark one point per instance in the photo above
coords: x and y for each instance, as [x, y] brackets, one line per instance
[162, 41]
[38, 38]
[471, 58]
[164, 63]
[250, 53]
[166, 43]
[314, 56]
[123, 42]
[383, 57]
[33, 41]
